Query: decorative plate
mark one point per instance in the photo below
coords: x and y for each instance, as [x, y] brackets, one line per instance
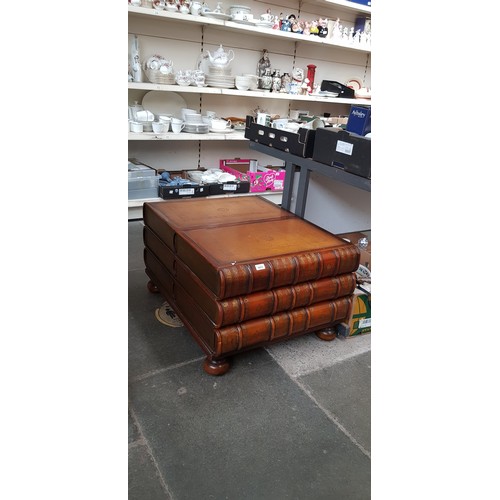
[354, 83]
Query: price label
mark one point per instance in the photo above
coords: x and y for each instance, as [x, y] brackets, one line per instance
[186, 191]
[344, 147]
[229, 187]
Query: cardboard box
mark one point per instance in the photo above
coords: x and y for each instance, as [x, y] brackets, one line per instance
[265, 179]
[361, 314]
[337, 148]
[360, 120]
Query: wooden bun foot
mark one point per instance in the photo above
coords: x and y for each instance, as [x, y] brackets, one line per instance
[327, 334]
[216, 366]
[152, 287]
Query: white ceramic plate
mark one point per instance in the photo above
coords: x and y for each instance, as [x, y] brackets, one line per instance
[354, 83]
[251, 23]
[225, 131]
[218, 15]
[264, 24]
[164, 103]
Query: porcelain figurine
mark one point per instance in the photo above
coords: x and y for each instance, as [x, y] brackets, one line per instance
[266, 81]
[314, 30]
[336, 30]
[298, 75]
[136, 61]
[276, 85]
[286, 79]
[322, 27]
[297, 27]
[184, 6]
[264, 63]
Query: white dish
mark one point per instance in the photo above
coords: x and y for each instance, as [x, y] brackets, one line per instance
[164, 103]
[354, 83]
[241, 21]
[264, 24]
[362, 94]
[218, 15]
[225, 131]
[245, 8]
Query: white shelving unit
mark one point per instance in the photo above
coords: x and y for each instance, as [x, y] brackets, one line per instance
[182, 37]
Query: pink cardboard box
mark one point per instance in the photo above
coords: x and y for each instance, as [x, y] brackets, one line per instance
[265, 179]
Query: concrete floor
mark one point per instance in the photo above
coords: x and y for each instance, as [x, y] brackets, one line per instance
[291, 421]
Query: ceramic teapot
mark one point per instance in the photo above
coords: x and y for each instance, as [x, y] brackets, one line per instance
[220, 57]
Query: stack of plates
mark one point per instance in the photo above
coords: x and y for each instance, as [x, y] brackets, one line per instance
[223, 82]
[220, 77]
[196, 128]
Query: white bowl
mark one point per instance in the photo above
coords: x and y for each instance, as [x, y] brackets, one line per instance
[136, 127]
[242, 87]
[237, 9]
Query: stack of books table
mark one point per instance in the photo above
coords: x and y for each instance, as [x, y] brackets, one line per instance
[242, 273]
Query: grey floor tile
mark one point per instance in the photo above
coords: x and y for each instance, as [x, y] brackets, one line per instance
[250, 434]
[306, 354]
[344, 390]
[133, 431]
[155, 346]
[144, 482]
[135, 245]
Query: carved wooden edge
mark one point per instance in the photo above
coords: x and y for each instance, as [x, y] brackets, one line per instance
[216, 366]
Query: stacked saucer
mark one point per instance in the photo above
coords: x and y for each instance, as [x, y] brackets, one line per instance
[219, 77]
[194, 124]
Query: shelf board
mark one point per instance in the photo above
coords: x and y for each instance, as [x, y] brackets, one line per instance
[232, 26]
[184, 136]
[343, 5]
[261, 94]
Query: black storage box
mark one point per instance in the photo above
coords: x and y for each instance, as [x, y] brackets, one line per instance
[184, 191]
[341, 90]
[230, 187]
[337, 148]
[299, 144]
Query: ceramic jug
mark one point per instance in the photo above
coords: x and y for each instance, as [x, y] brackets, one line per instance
[196, 8]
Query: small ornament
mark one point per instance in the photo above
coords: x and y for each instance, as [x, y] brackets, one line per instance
[264, 63]
[311, 71]
[323, 27]
[266, 81]
[314, 30]
[276, 85]
[286, 79]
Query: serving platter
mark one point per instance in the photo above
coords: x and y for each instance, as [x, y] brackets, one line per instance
[164, 103]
